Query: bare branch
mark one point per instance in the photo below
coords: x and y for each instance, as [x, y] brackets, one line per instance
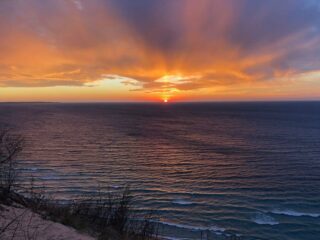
[10, 146]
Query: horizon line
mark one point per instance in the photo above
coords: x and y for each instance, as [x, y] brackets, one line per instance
[157, 102]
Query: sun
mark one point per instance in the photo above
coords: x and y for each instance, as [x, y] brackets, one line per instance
[165, 100]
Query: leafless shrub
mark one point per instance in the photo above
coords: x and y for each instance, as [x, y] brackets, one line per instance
[10, 146]
[108, 216]
[114, 216]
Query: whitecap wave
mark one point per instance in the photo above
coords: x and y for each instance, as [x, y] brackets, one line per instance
[173, 238]
[293, 213]
[263, 219]
[214, 229]
[182, 202]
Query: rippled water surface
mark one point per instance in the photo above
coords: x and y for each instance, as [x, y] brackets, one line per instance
[251, 169]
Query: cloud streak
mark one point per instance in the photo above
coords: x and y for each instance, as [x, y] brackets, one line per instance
[196, 44]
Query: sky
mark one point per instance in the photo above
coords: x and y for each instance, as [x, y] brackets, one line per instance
[156, 50]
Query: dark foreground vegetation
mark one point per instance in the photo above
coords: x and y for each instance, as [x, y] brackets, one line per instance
[104, 216]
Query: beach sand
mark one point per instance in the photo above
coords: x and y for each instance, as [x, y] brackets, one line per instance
[22, 224]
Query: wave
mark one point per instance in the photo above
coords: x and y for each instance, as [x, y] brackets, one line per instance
[50, 178]
[263, 219]
[182, 202]
[294, 213]
[31, 169]
[173, 238]
[215, 229]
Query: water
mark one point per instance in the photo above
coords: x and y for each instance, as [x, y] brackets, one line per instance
[251, 169]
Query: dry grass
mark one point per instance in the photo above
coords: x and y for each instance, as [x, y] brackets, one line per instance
[106, 217]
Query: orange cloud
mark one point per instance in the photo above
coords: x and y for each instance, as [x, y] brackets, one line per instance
[181, 49]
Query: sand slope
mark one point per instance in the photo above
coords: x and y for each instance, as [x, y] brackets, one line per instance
[22, 224]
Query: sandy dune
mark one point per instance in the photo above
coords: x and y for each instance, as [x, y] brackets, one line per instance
[22, 224]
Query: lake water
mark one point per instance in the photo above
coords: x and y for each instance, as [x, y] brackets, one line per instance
[251, 169]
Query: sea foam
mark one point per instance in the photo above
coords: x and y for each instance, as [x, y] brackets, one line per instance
[214, 229]
[263, 219]
[293, 213]
[182, 202]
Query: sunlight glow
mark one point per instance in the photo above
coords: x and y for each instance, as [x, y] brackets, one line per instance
[116, 56]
